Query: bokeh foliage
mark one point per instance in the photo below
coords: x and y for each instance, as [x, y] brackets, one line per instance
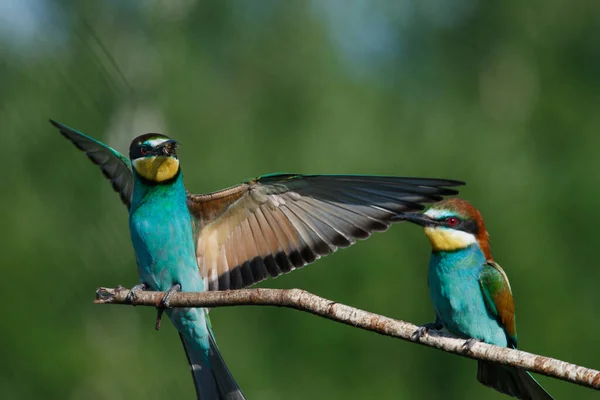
[501, 94]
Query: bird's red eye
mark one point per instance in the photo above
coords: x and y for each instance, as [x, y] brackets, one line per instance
[143, 151]
[451, 221]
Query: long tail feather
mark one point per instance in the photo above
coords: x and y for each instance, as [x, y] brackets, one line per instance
[511, 381]
[227, 386]
[212, 378]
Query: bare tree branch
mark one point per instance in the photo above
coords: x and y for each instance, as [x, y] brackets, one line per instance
[305, 301]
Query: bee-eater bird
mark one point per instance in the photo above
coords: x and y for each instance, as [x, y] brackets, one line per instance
[238, 236]
[470, 292]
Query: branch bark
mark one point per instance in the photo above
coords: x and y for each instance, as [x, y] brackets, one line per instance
[305, 301]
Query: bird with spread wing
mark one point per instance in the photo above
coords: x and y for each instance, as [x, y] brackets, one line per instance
[239, 236]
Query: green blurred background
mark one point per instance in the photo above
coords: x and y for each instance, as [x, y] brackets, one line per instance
[501, 94]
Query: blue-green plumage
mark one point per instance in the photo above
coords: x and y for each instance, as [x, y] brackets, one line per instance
[470, 292]
[161, 232]
[463, 307]
[457, 297]
[157, 218]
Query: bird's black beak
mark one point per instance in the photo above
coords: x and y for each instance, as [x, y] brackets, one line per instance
[167, 148]
[419, 219]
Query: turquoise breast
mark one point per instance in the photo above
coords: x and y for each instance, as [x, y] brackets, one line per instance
[161, 232]
[457, 296]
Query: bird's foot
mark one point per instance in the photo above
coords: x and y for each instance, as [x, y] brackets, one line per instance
[466, 348]
[424, 330]
[132, 296]
[164, 303]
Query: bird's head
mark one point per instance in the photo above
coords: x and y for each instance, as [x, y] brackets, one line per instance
[154, 157]
[453, 224]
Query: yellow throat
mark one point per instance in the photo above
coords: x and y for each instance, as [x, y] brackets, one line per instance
[157, 169]
[444, 239]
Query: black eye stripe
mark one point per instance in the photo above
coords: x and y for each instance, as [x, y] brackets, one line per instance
[469, 226]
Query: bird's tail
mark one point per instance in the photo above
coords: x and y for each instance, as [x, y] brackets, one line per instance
[212, 378]
[512, 381]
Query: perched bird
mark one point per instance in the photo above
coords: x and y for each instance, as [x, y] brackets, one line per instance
[238, 236]
[471, 294]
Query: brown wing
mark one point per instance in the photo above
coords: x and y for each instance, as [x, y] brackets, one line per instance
[498, 298]
[274, 224]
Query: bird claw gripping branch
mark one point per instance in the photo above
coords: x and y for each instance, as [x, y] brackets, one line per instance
[469, 345]
[132, 296]
[424, 330]
[164, 303]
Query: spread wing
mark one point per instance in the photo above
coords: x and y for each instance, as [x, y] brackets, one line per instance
[498, 298]
[276, 223]
[115, 166]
